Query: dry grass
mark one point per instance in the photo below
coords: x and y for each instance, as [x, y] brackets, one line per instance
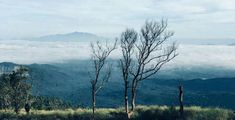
[141, 113]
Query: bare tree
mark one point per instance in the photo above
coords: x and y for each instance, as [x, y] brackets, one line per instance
[151, 50]
[127, 39]
[102, 71]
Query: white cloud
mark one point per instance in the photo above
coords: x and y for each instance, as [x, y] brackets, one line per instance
[48, 52]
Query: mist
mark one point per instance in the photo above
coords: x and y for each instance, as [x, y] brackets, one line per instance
[28, 52]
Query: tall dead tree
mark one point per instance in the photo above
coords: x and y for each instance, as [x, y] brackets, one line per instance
[152, 53]
[127, 40]
[102, 70]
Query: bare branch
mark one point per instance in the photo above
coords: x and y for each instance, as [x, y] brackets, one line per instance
[151, 52]
[99, 56]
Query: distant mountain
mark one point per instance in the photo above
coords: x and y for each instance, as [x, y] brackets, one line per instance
[232, 44]
[74, 37]
[70, 82]
[206, 41]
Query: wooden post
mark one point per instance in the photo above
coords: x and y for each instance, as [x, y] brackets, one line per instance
[181, 100]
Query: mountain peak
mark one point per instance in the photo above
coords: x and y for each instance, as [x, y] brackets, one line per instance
[76, 32]
[73, 36]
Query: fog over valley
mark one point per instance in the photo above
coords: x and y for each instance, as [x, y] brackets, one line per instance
[28, 52]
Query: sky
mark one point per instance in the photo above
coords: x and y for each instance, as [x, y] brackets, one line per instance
[196, 19]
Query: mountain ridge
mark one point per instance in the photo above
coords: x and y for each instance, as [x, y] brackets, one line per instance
[72, 36]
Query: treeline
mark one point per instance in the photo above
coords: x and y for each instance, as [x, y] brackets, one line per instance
[49, 103]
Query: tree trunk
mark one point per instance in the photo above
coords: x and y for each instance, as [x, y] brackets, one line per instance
[126, 98]
[181, 100]
[93, 103]
[133, 97]
[5, 105]
[27, 107]
[5, 108]
[17, 108]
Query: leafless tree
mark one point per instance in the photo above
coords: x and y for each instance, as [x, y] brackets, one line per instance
[102, 70]
[151, 50]
[127, 39]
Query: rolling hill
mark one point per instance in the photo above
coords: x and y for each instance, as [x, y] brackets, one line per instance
[70, 82]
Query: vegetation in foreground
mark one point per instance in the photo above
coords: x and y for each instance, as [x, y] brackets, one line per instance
[141, 113]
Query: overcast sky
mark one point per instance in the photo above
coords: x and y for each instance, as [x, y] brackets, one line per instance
[188, 18]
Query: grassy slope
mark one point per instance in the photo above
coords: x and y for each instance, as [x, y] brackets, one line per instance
[141, 113]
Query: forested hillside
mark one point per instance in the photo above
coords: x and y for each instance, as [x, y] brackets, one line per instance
[69, 82]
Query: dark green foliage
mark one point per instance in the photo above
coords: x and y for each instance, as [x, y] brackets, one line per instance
[48, 103]
[20, 88]
[15, 88]
[5, 90]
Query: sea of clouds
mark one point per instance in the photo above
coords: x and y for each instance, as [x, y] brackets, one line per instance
[28, 52]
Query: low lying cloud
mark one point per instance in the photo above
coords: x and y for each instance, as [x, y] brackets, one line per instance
[27, 52]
